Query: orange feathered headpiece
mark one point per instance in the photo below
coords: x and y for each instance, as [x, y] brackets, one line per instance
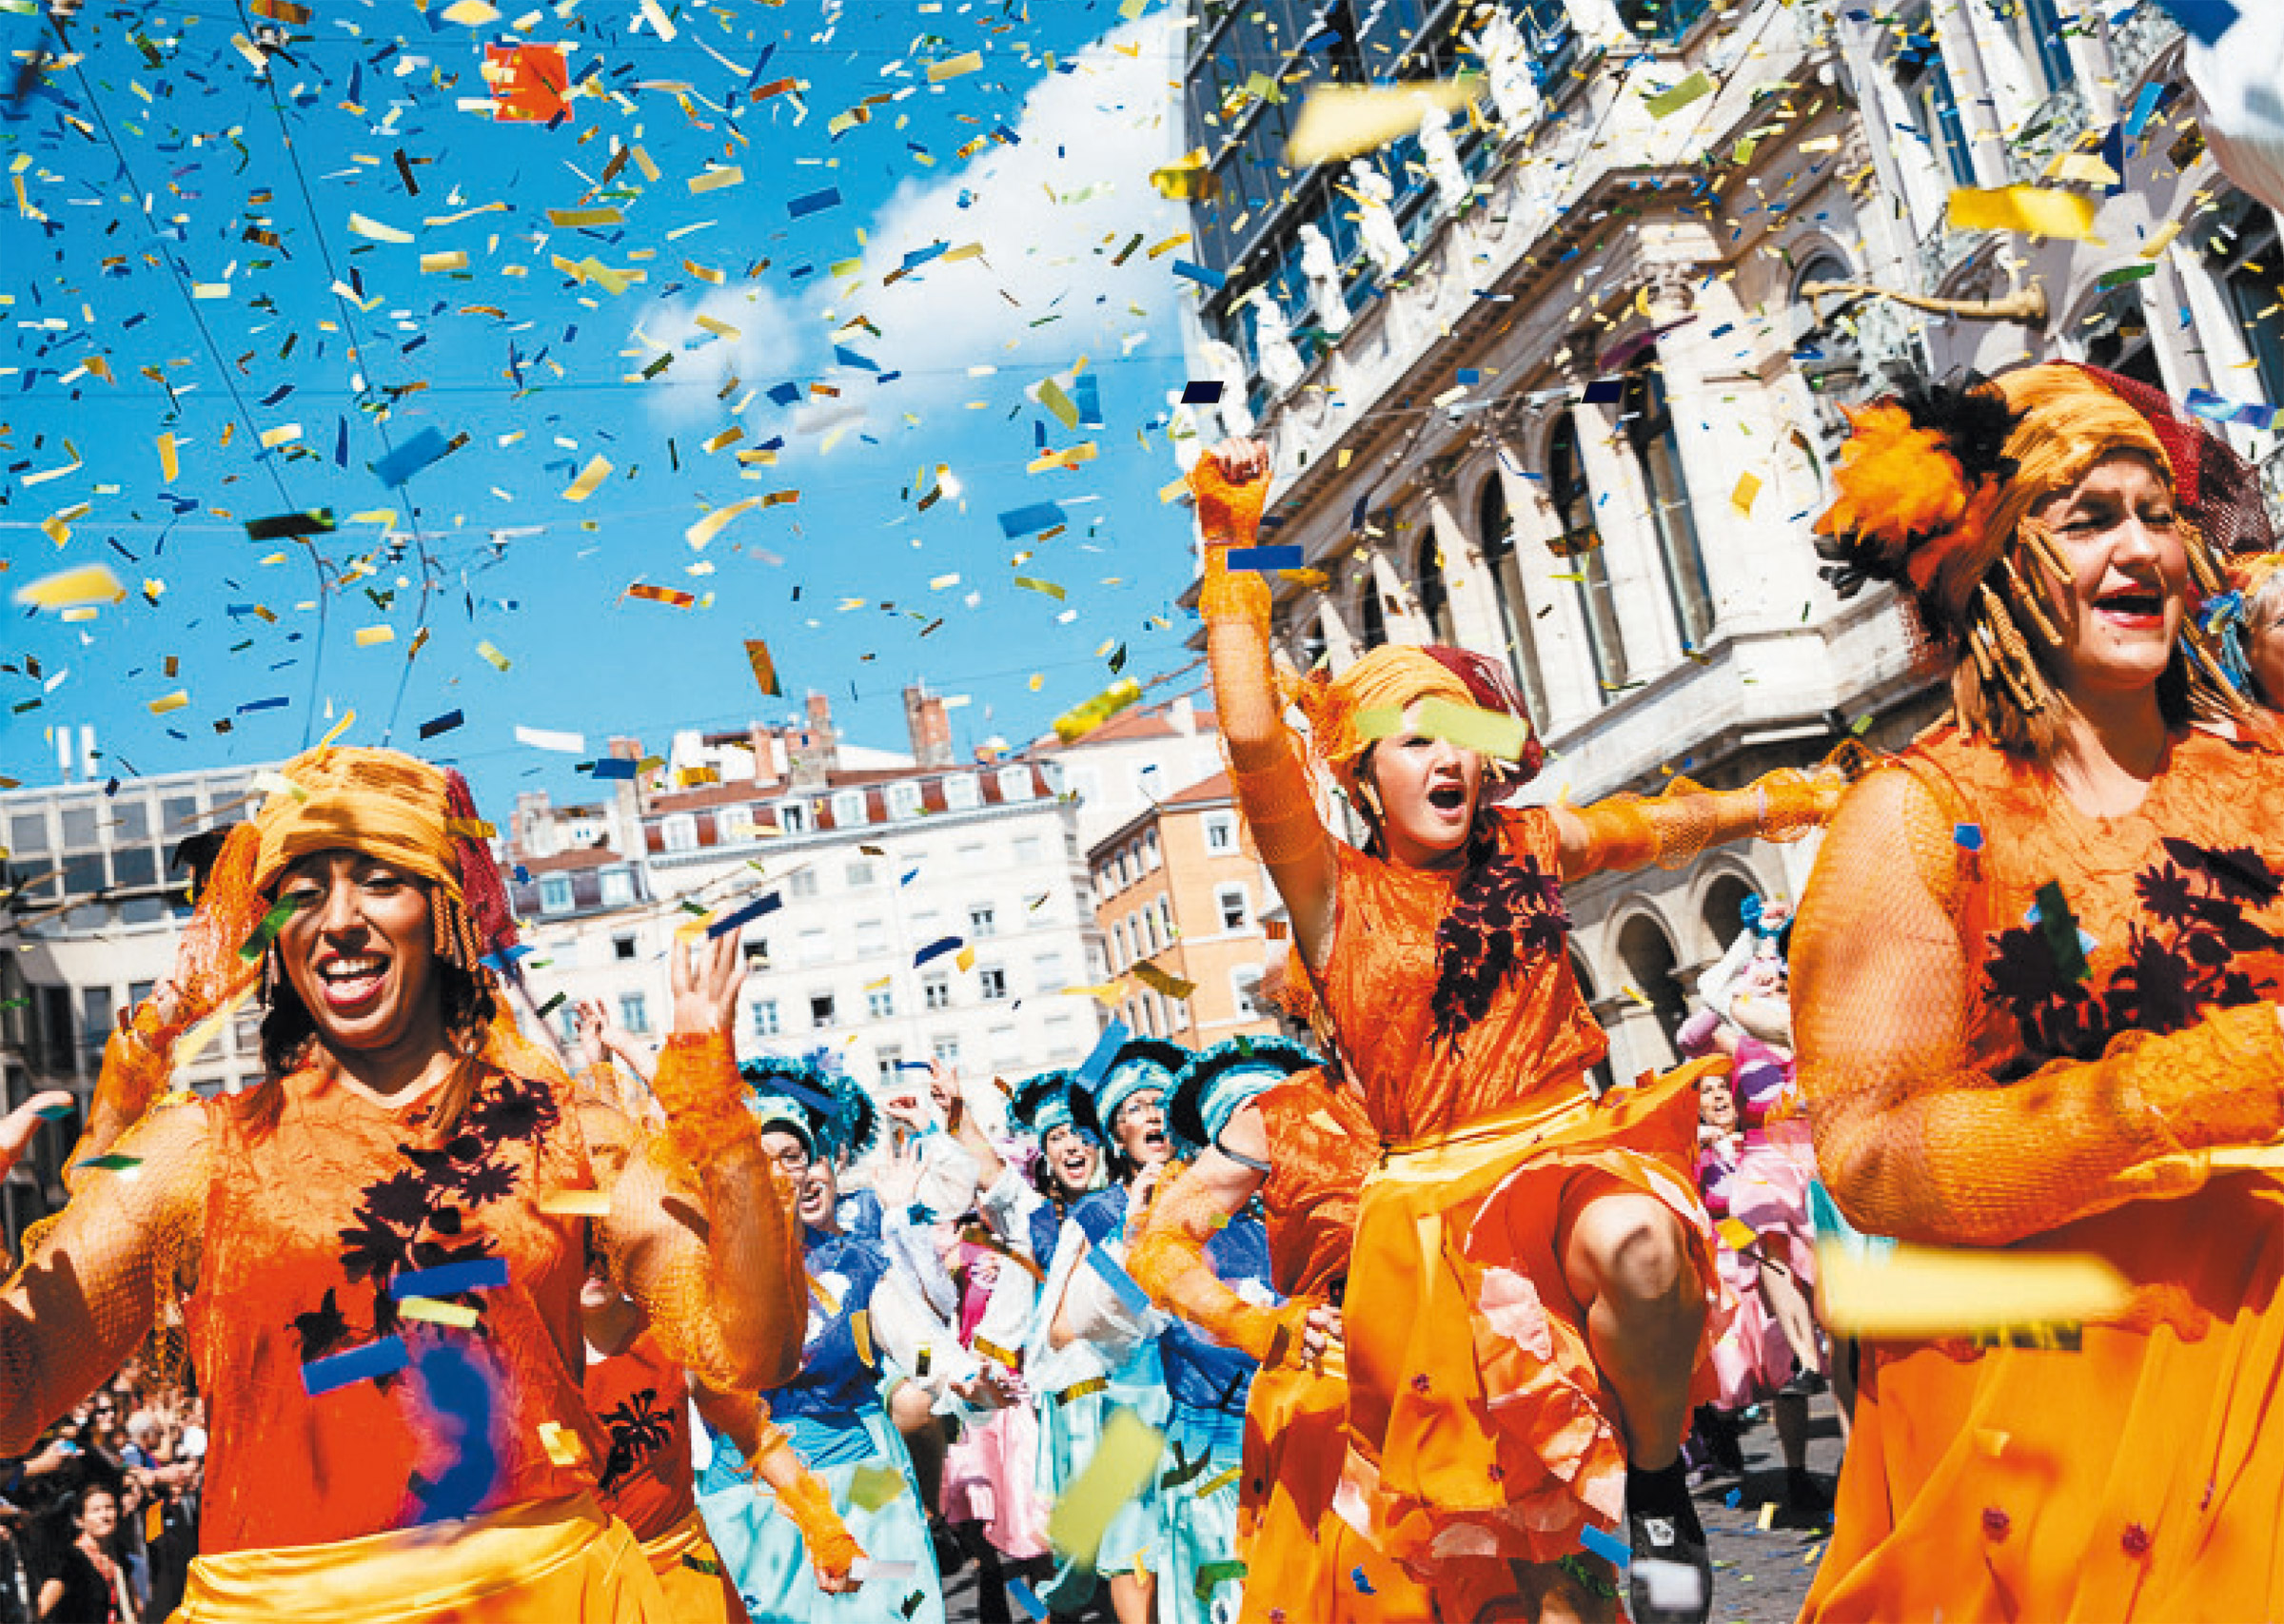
[1392, 679]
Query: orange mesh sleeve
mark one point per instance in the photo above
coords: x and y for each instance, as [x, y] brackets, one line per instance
[745, 1418]
[710, 1251]
[1673, 829]
[1169, 1262]
[91, 1284]
[1915, 1140]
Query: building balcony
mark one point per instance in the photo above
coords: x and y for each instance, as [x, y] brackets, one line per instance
[2137, 42]
[2052, 127]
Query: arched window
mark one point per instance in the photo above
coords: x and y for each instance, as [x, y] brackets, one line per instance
[2238, 242]
[1723, 910]
[1573, 499]
[1372, 620]
[2114, 333]
[1649, 429]
[1435, 598]
[1649, 961]
[1497, 538]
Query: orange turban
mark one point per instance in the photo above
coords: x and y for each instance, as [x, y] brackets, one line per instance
[1391, 677]
[381, 802]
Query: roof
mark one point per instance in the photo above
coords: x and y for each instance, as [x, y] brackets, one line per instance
[584, 857]
[1215, 789]
[1138, 723]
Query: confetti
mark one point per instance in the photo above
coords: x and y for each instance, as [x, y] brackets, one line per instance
[1916, 1293]
[1017, 523]
[450, 1279]
[872, 1487]
[383, 1358]
[1341, 120]
[426, 1309]
[812, 203]
[1264, 559]
[2035, 210]
[1747, 493]
[499, 661]
[1663, 104]
[550, 738]
[1120, 1469]
[69, 589]
[561, 1444]
[703, 532]
[953, 67]
[442, 724]
[407, 459]
[1160, 981]
[590, 479]
[745, 915]
[577, 1204]
[672, 597]
[765, 669]
[1076, 723]
[170, 702]
[1607, 1545]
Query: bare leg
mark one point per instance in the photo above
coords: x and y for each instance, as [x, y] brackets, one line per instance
[908, 1406]
[1843, 1387]
[1782, 1291]
[1790, 1412]
[1626, 1262]
[1132, 1595]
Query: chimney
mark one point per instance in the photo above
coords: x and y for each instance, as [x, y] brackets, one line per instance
[1182, 715]
[815, 753]
[765, 746]
[626, 801]
[929, 726]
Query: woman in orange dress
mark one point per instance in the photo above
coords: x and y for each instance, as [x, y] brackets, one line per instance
[2035, 977]
[380, 1247]
[1539, 1268]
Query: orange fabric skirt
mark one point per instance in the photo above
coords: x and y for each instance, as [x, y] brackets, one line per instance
[698, 1590]
[1473, 1391]
[1305, 1561]
[2138, 1476]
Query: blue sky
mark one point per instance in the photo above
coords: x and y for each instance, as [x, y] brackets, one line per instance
[205, 259]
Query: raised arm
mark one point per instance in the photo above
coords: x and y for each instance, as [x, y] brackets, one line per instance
[1630, 831]
[1265, 764]
[702, 1231]
[1169, 1260]
[769, 1456]
[1913, 1139]
[91, 1285]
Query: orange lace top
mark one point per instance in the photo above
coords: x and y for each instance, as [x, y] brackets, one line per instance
[1452, 993]
[1321, 1149]
[641, 1400]
[313, 1226]
[2012, 1015]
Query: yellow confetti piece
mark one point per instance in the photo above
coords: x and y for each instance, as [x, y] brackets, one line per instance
[1769, 1515]
[572, 218]
[430, 1311]
[1191, 180]
[369, 635]
[377, 231]
[704, 530]
[1749, 488]
[576, 1203]
[1341, 120]
[2034, 211]
[347, 719]
[1122, 1464]
[2083, 168]
[470, 13]
[450, 260]
[499, 662]
[561, 1444]
[1673, 99]
[173, 701]
[860, 1332]
[1738, 1233]
[1106, 992]
[965, 958]
[1161, 981]
[2163, 240]
[193, 1042]
[659, 21]
[57, 525]
[953, 67]
[714, 180]
[1916, 1292]
[170, 468]
[1469, 727]
[590, 479]
[273, 437]
[872, 1487]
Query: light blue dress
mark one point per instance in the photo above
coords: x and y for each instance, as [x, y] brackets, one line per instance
[834, 1411]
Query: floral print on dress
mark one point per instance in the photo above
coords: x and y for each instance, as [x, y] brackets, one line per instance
[1502, 913]
[2182, 962]
[639, 1430]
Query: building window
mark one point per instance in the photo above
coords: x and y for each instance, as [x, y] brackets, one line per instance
[935, 990]
[871, 938]
[1927, 85]
[983, 920]
[757, 953]
[946, 1050]
[880, 1003]
[1166, 921]
[2115, 335]
[859, 875]
[820, 1010]
[622, 946]
[1015, 783]
[1435, 598]
[1149, 849]
[1245, 986]
[1495, 533]
[801, 883]
[849, 809]
[732, 824]
[903, 799]
[888, 1062]
[1581, 543]
[765, 1017]
[1229, 901]
[1029, 849]
[1372, 620]
[679, 832]
[1046, 971]
[792, 817]
[2238, 242]
[1221, 833]
[1649, 427]
[962, 793]
[554, 894]
[634, 1011]
[617, 887]
[1181, 1013]
[816, 946]
[991, 983]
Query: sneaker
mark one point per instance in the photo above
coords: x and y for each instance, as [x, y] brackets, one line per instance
[1805, 1497]
[1804, 1384]
[1670, 1577]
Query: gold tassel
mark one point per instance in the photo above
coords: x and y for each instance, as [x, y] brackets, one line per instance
[2016, 665]
[2041, 620]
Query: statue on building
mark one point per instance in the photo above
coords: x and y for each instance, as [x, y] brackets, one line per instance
[1506, 63]
[1224, 366]
[1281, 364]
[1375, 218]
[1598, 23]
[1327, 302]
[1441, 154]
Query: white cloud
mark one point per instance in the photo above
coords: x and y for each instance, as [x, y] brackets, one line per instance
[764, 342]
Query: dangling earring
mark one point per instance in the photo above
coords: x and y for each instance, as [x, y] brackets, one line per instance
[271, 975]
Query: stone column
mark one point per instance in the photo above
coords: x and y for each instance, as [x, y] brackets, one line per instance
[1971, 89]
[1651, 619]
[1466, 583]
[1559, 635]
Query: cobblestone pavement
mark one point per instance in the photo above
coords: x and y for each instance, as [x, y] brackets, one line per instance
[1761, 1576]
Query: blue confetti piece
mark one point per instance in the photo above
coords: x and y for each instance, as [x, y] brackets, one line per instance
[1265, 559]
[813, 202]
[1968, 836]
[1202, 392]
[448, 1279]
[1091, 1069]
[921, 256]
[1135, 1299]
[1605, 392]
[411, 458]
[787, 394]
[843, 355]
[1198, 274]
[1362, 1584]
[56, 1113]
[276, 703]
[1086, 394]
[504, 960]
[1022, 1595]
[460, 1399]
[2145, 107]
[615, 767]
[383, 1358]
[442, 724]
[752, 911]
[2206, 20]
[935, 950]
[1019, 521]
[1607, 1546]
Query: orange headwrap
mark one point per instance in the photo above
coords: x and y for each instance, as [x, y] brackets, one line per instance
[1392, 678]
[383, 802]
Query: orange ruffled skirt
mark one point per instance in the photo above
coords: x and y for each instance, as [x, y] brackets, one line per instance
[1300, 1517]
[1473, 1391]
[2137, 1477]
[696, 1587]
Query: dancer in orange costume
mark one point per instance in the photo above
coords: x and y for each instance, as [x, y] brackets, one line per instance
[381, 1245]
[2034, 985]
[1540, 1269]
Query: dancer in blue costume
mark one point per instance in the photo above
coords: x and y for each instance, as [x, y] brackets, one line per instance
[1201, 1580]
[1091, 1355]
[1027, 1210]
[833, 1410]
